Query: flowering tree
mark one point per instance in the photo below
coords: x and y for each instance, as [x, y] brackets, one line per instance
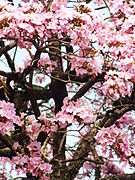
[68, 112]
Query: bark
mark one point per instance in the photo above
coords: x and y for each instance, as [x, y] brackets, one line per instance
[59, 92]
[121, 177]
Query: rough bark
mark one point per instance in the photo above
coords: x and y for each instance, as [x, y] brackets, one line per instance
[59, 92]
[121, 177]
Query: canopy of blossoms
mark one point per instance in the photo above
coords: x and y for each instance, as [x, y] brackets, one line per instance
[89, 58]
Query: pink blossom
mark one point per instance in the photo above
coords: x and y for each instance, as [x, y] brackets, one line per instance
[101, 46]
[71, 110]
[8, 117]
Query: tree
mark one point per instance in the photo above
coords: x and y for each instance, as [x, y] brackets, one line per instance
[69, 112]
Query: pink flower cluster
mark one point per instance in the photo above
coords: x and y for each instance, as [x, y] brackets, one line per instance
[117, 84]
[29, 156]
[33, 126]
[75, 113]
[88, 31]
[32, 22]
[8, 117]
[116, 141]
[46, 65]
[86, 65]
[100, 45]
[33, 162]
[109, 167]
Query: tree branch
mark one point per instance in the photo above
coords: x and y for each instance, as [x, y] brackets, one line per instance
[84, 146]
[121, 177]
[9, 151]
[59, 92]
[4, 49]
[87, 86]
[9, 60]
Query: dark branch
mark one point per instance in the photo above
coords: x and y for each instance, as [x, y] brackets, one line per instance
[4, 51]
[9, 151]
[59, 92]
[87, 86]
[121, 177]
[6, 48]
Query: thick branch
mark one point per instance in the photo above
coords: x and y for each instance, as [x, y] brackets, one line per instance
[114, 114]
[59, 92]
[9, 60]
[33, 102]
[49, 4]
[87, 86]
[6, 48]
[22, 81]
[121, 177]
[33, 66]
[69, 77]
[9, 151]
[39, 92]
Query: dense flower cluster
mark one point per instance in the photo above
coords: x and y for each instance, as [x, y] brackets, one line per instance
[37, 23]
[33, 162]
[23, 162]
[117, 140]
[117, 83]
[87, 29]
[8, 117]
[107, 169]
[78, 112]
